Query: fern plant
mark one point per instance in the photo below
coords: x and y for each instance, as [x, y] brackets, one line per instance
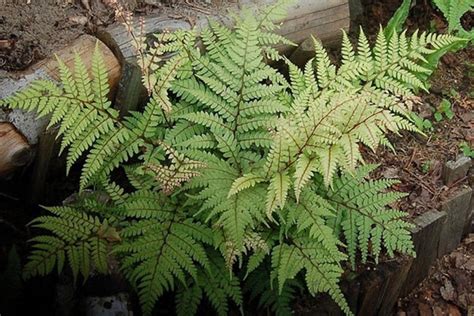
[453, 12]
[234, 174]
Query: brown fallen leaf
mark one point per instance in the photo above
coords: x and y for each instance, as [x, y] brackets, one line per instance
[424, 309]
[453, 310]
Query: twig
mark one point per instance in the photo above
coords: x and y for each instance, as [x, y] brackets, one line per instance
[411, 159]
[421, 181]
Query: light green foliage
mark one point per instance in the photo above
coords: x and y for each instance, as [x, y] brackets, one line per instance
[231, 166]
[444, 110]
[453, 10]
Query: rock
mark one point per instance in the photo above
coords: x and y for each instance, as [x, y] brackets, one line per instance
[108, 306]
[447, 291]
[455, 170]
[457, 208]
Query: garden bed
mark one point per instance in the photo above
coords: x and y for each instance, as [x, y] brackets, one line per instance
[439, 204]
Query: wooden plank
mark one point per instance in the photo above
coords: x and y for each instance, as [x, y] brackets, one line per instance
[84, 46]
[426, 236]
[118, 40]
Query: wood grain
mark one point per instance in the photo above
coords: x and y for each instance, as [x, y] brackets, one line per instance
[14, 148]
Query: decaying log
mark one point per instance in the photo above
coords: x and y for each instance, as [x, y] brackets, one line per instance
[26, 123]
[322, 19]
[14, 149]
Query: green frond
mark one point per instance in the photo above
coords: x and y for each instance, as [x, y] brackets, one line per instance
[76, 238]
[216, 284]
[322, 274]
[261, 288]
[157, 256]
[367, 217]
[230, 172]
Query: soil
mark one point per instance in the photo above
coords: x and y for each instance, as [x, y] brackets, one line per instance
[31, 32]
[450, 288]
[418, 160]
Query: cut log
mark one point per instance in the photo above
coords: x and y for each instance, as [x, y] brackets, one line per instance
[48, 68]
[14, 148]
[26, 123]
[322, 19]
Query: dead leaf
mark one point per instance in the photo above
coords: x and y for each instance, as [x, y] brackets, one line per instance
[424, 309]
[469, 265]
[453, 310]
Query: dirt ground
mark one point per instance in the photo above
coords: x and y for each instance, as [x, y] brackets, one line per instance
[450, 288]
[31, 32]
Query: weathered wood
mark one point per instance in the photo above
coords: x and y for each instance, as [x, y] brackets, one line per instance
[41, 165]
[426, 236]
[14, 148]
[322, 19]
[381, 287]
[457, 208]
[455, 170]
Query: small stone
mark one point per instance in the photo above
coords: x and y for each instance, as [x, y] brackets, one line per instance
[455, 170]
[390, 173]
[447, 291]
[78, 20]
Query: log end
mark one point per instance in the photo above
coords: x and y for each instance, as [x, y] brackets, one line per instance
[16, 151]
